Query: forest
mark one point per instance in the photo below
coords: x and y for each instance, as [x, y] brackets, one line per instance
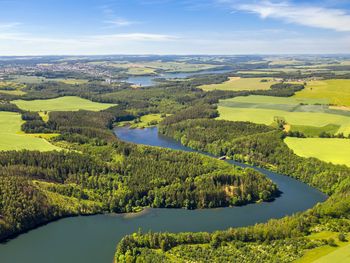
[282, 240]
[103, 174]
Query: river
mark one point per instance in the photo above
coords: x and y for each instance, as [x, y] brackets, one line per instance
[93, 239]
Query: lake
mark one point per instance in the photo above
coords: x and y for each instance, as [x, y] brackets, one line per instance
[93, 239]
[146, 81]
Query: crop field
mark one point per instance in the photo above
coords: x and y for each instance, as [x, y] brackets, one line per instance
[254, 99]
[332, 150]
[308, 115]
[141, 71]
[337, 90]
[236, 83]
[267, 116]
[68, 103]
[11, 137]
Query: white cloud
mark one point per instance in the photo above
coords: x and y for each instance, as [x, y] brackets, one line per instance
[135, 37]
[11, 25]
[121, 22]
[307, 15]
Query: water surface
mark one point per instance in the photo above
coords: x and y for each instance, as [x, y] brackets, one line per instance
[146, 81]
[93, 239]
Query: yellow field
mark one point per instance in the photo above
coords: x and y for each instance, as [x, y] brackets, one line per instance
[12, 138]
[336, 151]
[336, 90]
[236, 83]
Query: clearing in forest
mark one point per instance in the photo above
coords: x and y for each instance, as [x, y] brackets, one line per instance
[11, 137]
[68, 103]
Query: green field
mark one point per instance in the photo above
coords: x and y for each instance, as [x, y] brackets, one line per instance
[144, 122]
[37, 80]
[337, 90]
[68, 103]
[11, 137]
[267, 116]
[10, 87]
[327, 254]
[141, 71]
[308, 115]
[270, 100]
[332, 150]
[236, 83]
[312, 131]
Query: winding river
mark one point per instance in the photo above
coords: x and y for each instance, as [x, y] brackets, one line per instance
[93, 239]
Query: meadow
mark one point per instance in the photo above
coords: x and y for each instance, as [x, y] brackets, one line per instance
[13, 88]
[11, 137]
[37, 80]
[326, 253]
[310, 116]
[267, 116]
[68, 103]
[337, 90]
[336, 151]
[236, 83]
[143, 122]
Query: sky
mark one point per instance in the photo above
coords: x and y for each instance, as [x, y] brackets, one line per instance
[98, 27]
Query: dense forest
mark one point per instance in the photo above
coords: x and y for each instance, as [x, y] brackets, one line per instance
[282, 240]
[102, 174]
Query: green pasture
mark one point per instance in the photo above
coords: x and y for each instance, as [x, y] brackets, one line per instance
[256, 99]
[267, 116]
[141, 71]
[236, 83]
[312, 131]
[11, 137]
[68, 103]
[336, 151]
[327, 254]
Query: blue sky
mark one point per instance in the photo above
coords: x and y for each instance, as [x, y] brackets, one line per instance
[78, 27]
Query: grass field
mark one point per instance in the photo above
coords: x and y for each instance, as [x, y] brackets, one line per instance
[266, 116]
[327, 254]
[332, 150]
[337, 90]
[70, 81]
[312, 131]
[254, 99]
[68, 103]
[141, 71]
[236, 83]
[15, 88]
[27, 79]
[37, 80]
[11, 137]
[144, 122]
